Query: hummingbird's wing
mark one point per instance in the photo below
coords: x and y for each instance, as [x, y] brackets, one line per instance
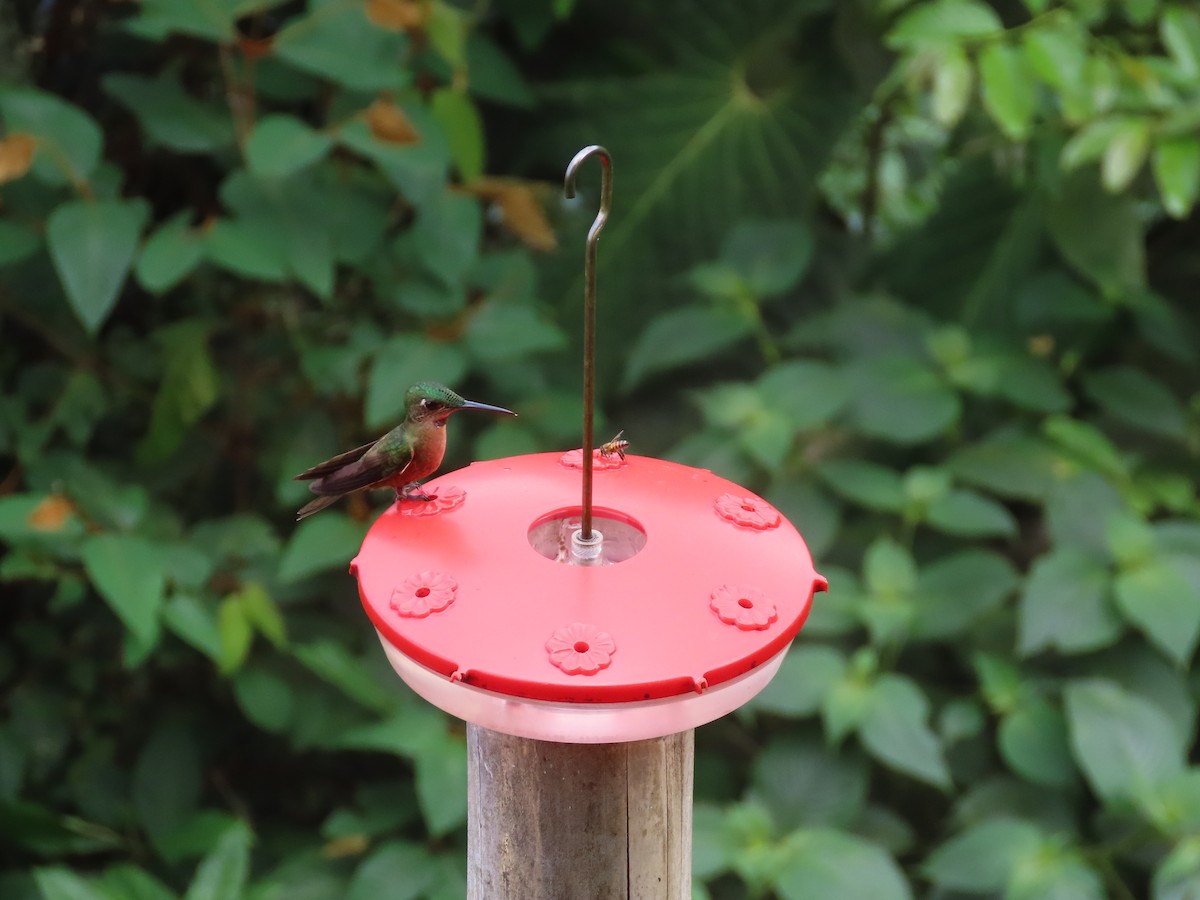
[383, 460]
[332, 465]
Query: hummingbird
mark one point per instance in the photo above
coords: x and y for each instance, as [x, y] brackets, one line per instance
[401, 458]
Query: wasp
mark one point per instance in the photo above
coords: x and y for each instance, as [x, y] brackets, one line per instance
[614, 447]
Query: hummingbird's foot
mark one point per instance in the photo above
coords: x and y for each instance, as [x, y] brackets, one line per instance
[413, 491]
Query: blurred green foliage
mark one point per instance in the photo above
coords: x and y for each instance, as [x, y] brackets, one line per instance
[922, 273]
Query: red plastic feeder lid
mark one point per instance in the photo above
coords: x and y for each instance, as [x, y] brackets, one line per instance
[702, 582]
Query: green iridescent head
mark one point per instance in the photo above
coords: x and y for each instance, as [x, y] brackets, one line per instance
[429, 400]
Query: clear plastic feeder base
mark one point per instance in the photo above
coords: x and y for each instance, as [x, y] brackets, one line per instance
[581, 723]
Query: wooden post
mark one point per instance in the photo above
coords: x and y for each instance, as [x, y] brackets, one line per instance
[550, 821]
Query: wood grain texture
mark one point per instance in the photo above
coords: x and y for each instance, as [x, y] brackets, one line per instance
[550, 821]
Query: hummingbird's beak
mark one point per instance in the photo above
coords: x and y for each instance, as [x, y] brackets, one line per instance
[471, 404]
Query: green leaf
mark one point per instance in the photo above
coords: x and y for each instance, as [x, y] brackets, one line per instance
[69, 140]
[834, 865]
[448, 28]
[127, 571]
[1099, 234]
[1008, 89]
[805, 783]
[969, 514]
[769, 256]
[263, 613]
[895, 731]
[982, 858]
[493, 75]
[1176, 166]
[1065, 605]
[899, 399]
[456, 114]
[170, 254]
[1057, 53]
[166, 780]
[1033, 741]
[400, 363]
[1179, 29]
[1056, 873]
[441, 780]
[188, 390]
[236, 634]
[335, 40]
[809, 393]
[1125, 153]
[191, 621]
[955, 591]
[16, 243]
[943, 22]
[867, 484]
[280, 145]
[1087, 442]
[1123, 743]
[396, 870]
[889, 569]
[92, 245]
[445, 238]
[169, 115]
[59, 883]
[953, 79]
[1129, 394]
[806, 676]
[126, 881]
[222, 875]
[1090, 143]
[1177, 876]
[679, 337]
[1010, 464]
[322, 542]
[265, 698]
[1164, 604]
[501, 331]
[333, 663]
[243, 249]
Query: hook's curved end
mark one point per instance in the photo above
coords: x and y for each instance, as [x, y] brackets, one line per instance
[605, 184]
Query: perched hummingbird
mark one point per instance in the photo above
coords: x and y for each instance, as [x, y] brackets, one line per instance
[401, 458]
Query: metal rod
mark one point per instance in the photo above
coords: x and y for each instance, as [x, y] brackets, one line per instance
[589, 315]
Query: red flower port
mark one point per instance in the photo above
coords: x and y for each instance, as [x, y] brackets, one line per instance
[580, 649]
[746, 607]
[424, 593]
[749, 512]
[445, 498]
[573, 459]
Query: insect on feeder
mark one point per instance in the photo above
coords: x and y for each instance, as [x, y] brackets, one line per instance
[583, 642]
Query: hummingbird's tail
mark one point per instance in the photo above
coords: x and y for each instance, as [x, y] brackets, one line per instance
[317, 505]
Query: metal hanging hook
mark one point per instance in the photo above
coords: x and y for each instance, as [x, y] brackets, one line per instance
[589, 315]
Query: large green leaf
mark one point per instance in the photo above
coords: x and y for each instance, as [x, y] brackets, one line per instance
[169, 255]
[868, 484]
[441, 779]
[281, 145]
[60, 883]
[678, 337]
[900, 399]
[982, 858]
[1133, 396]
[396, 869]
[325, 541]
[805, 677]
[895, 731]
[1009, 89]
[128, 572]
[1065, 605]
[834, 865]
[1098, 234]
[222, 875]
[1159, 599]
[92, 245]
[955, 591]
[1033, 741]
[336, 41]
[943, 22]
[69, 140]
[167, 780]
[805, 783]
[1123, 744]
[168, 114]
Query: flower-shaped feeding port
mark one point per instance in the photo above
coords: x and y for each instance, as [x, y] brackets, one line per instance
[746, 607]
[749, 512]
[427, 592]
[580, 649]
[445, 498]
[573, 459]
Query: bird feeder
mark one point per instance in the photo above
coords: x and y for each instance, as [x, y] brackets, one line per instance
[582, 637]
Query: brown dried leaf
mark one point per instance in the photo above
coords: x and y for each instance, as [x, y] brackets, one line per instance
[16, 155]
[398, 15]
[389, 123]
[51, 514]
[346, 845]
[523, 213]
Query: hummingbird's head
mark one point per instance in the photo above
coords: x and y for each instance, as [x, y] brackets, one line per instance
[429, 401]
